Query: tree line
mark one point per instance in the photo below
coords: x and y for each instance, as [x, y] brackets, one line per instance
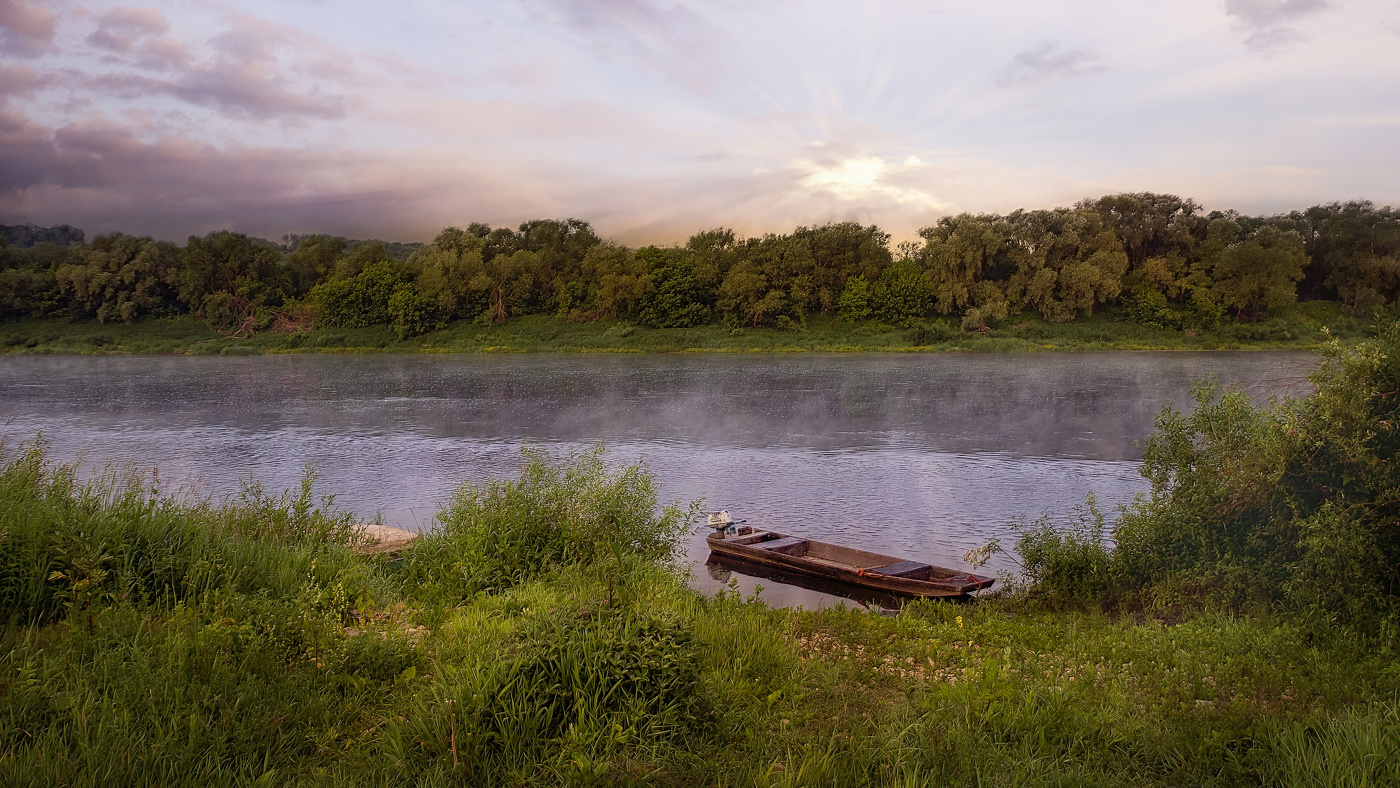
[1158, 259]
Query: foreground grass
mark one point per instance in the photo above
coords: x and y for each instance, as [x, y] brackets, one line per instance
[158, 642]
[1303, 326]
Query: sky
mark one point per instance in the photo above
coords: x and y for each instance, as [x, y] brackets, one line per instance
[655, 119]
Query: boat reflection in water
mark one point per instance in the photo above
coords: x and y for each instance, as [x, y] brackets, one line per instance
[722, 569]
[830, 563]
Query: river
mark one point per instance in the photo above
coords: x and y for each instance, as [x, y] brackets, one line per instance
[923, 456]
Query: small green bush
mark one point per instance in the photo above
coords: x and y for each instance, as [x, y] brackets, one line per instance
[571, 513]
[1069, 562]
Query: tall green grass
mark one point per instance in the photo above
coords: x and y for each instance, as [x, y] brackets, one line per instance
[543, 638]
[68, 542]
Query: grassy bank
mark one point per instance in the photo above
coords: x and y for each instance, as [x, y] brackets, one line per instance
[541, 637]
[1303, 326]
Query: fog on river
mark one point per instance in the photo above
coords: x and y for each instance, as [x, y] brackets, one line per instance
[922, 456]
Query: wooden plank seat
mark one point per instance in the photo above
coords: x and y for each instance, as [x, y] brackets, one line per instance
[788, 545]
[902, 569]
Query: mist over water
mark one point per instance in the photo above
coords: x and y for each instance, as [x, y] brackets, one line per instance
[923, 456]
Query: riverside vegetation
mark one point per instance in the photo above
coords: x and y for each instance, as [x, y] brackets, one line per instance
[1165, 274]
[1308, 325]
[1236, 627]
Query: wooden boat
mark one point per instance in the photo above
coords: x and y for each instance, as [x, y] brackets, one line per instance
[839, 564]
[722, 568]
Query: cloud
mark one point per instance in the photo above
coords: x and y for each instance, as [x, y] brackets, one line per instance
[120, 28]
[1267, 23]
[669, 38]
[25, 30]
[20, 81]
[1048, 60]
[135, 36]
[253, 68]
[98, 174]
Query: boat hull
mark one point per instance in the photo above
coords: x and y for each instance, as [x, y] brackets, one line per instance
[825, 561]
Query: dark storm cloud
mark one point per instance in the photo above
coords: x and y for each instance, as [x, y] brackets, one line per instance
[25, 152]
[1267, 22]
[89, 154]
[1048, 60]
[25, 29]
[100, 175]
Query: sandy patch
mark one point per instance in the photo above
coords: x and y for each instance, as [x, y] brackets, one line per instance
[387, 539]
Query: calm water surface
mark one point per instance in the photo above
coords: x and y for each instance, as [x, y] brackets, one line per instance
[924, 456]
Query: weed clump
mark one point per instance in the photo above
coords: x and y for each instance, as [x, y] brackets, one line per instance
[575, 512]
[67, 544]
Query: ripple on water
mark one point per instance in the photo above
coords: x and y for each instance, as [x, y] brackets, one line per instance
[918, 456]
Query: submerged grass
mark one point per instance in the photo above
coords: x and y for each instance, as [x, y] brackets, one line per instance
[156, 641]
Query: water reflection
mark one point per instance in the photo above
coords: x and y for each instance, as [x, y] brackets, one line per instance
[924, 456]
[724, 570]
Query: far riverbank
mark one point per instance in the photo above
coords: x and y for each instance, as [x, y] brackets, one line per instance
[1306, 326]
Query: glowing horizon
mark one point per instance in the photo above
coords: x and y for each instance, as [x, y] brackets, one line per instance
[654, 119]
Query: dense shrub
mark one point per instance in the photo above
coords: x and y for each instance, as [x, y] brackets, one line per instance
[575, 512]
[1294, 504]
[363, 299]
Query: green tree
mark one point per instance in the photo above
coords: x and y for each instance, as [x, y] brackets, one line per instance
[789, 271]
[120, 277]
[312, 259]
[675, 299]
[412, 313]
[1066, 262]
[227, 274]
[959, 253]
[452, 273]
[522, 284]
[837, 252]
[560, 244]
[969, 260]
[747, 295]
[363, 299]
[715, 252]
[612, 282]
[902, 295]
[1149, 225]
[359, 256]
[1353, 253]
[856, 303]
[1251, 270]
[1295, 503]
[28, 287]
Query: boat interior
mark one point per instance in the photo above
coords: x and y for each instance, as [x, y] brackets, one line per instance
[835, 555]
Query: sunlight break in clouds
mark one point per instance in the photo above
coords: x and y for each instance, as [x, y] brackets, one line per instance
[861, 178]
[656, 118]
